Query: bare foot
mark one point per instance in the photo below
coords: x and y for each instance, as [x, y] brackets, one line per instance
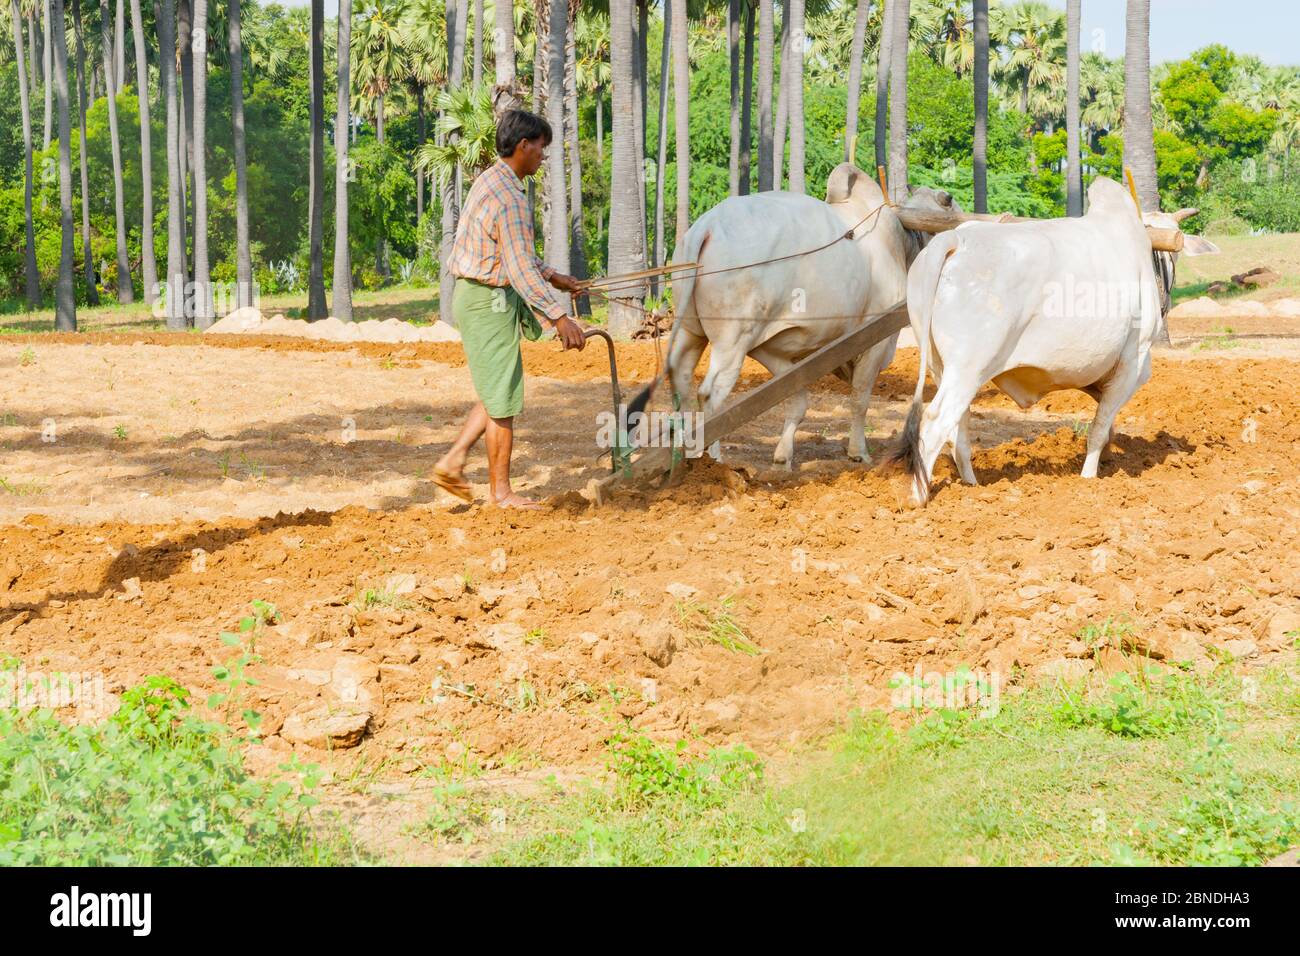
[512, 500]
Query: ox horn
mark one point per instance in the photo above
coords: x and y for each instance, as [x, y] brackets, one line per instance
[1186, 213]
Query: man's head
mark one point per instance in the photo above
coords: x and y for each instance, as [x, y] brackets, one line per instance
[522, 138]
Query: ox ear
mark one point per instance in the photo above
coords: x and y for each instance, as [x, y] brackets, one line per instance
[945, 199]
[1198, 246]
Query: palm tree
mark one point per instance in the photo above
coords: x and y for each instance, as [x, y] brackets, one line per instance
[747, 100]
[794, 68]
[92, 292]
[626, 223]
[342, 120]
[1073, 170]
[125, 293]
[855, 80]
[765, 67]
[782, 99]
[1139, 138]
[316, 307]
[503, 44]
[47, 78]
[1035, 63]
[203, 306]
[176, 272]
[148, 265]
[900, 12]
[553, 19]
[733, 54]
[65, 301]
[661, 163]
[243, 254]
[591, 35]
[884, 55]
[577, 238]
[981, 140]
[945, 28]
[33, 277]
[682, 114]
[455, 22]
[424, 39]
[478, 44]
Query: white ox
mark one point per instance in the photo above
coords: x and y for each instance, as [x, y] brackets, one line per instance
[780, 312]
[1035, 307]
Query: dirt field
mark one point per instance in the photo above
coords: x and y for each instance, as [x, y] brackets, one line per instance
[186, 478]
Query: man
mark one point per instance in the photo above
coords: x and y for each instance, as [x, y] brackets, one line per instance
[500, 283]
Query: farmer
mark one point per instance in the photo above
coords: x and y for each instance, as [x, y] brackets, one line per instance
[500, 284]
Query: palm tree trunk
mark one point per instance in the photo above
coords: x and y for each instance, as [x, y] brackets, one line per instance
[795, 67]
[47, 68]
[1073, 177]
[148, 264]
[898, 102]
[855, 81]
[184, 25]
[316, 307]
[765, 66]
[203, 304]
[556, 240]
[503, 40]
[980, 146]
[92, 292]
[626, 226]
[640, 103]
[125, 293]
[733, 51]
[65, 301]
[176, 275]
[1139, 144]
[884, 56]
[661, 161]
[782, 100]
[33, 278]
[243, 254]
[600, 125]
[342, 120]
[747, 104]
[34, 50]
[478, 44]
[577, 237]
[682, 112]
[421, 137]
[450, 197]
[119, 48]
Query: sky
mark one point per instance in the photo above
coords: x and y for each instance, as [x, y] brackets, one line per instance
[1180, 26]
[1266, 28]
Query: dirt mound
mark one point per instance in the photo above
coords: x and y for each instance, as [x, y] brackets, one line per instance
[249, 321]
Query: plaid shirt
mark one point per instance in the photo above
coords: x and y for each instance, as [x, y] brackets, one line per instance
[494, 242]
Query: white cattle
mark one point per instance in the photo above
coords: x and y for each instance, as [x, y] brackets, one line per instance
[1035, 307]
[782, 311]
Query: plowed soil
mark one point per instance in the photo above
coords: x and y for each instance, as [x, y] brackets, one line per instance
[187, 480]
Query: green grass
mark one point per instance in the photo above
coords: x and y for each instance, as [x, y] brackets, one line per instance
[716, 626]
[1168, 770]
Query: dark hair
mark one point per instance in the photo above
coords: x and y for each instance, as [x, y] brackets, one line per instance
[516, 125]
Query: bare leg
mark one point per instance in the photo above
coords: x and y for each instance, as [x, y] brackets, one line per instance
[453, 462]
[500, 444]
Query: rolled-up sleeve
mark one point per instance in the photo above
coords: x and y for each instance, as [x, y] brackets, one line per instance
[520, 265]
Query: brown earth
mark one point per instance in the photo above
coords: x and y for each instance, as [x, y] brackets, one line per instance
[516, 640]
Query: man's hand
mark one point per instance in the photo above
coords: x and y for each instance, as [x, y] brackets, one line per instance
[570, 333]
[566, 283]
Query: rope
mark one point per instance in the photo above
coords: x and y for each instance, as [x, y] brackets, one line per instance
[848, 234]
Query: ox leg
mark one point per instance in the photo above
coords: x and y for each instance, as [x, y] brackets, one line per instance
[796, 407]
[961, 451]
[685, 355]
[865, 372]
[717, 385]
[939, 425]
[1127, 379]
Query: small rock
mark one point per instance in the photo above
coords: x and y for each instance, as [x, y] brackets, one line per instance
[657, 643]
[681, 592]
[1062, 668]
[326, 729]
[130, 590]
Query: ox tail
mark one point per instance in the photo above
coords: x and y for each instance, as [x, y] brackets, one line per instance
[688, 250]
[922, 290]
